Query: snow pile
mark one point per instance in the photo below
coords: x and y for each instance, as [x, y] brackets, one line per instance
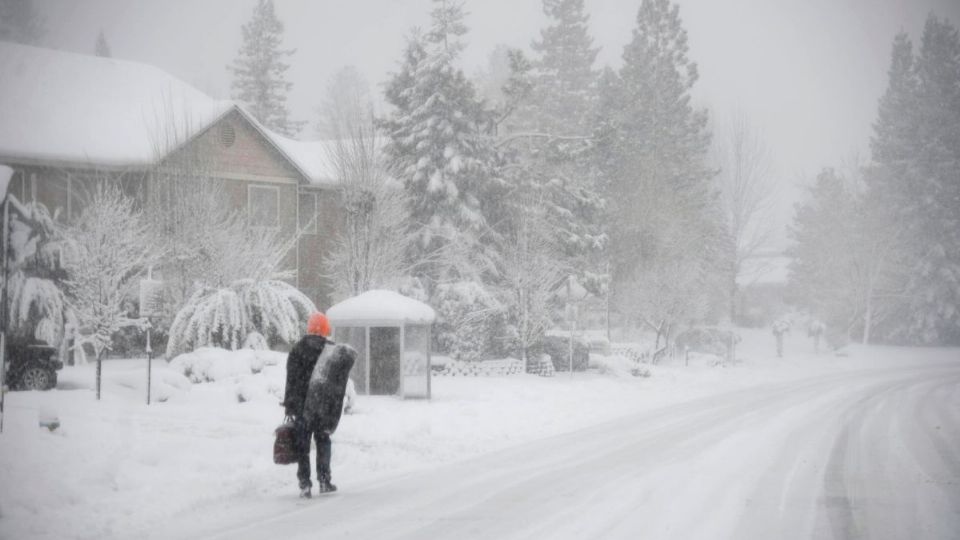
[209, 364]
[380, 305]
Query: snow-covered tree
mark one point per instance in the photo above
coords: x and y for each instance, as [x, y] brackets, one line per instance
[36, 306]
[346, 103]
[747, 192]
[532, 268]
[20, 22]
[564, 88]
[101, 47]
[438, 144]
[651, 150]
[546, 139]
[373, 240]
[915, 180]
[842, 257]
[107, 251]
[244, 313]
[469, 319]
[259, 71]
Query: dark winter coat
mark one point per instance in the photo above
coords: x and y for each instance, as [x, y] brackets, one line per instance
[328, 384]
[300, 363]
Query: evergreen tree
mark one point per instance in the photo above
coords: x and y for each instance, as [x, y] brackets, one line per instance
[547, 141]
[915, 180]
[259, 72]
[839, 263]
[563, 91]
[667, 238]
[440, 147]
[20, 22]
[102, 48]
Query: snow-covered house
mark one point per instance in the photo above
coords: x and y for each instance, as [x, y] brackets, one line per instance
[67, 118]
[391, 334]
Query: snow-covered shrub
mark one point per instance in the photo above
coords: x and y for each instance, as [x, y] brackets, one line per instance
[165, 383]
[210, 364]
[467, 315]
[255, 341]
[226, 317]
[36, 305]
[258, 389]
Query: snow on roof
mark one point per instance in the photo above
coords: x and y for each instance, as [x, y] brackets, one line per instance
[313, 158]
[380, 305]
[76, 109]
[67, 107]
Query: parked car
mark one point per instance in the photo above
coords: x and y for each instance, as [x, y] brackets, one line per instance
[32, 366]
[558, 349]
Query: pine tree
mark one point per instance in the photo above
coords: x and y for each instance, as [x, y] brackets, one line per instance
[667, 239]
[915, 180]
[259, 72]
[547, 141]
[439, 144]
[20, 22]
[102, 48]
[564, 92]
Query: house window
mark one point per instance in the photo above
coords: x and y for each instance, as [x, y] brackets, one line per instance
[263, 206]
[308, 213]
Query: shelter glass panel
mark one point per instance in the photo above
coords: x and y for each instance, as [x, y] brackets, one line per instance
[416, 364]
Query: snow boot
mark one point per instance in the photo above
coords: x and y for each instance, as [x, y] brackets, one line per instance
[305, 492]
[326, 487]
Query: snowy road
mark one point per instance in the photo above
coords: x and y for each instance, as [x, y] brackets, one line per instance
[861, 454]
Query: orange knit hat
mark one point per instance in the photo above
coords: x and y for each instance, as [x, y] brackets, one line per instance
[318, 325]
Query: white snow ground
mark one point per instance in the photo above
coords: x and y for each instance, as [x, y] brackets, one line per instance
[804, 446]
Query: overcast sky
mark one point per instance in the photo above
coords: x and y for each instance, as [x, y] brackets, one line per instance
[807, 72]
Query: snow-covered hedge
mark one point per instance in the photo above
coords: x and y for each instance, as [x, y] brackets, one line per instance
[209, 364]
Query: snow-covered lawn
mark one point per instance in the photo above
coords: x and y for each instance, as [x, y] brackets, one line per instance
[120, 468]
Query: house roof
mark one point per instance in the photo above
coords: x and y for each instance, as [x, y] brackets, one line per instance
[73, 109]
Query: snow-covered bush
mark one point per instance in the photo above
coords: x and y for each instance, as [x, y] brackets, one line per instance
[467, 316]
[209, 364]
[227, 317]
[255, 341]
[37, 308]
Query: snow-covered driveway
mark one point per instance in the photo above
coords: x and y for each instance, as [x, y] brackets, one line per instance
[872, 454]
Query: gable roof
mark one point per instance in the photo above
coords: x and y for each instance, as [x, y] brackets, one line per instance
[72, 109]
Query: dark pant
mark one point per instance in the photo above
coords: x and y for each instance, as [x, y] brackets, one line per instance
[304, 431]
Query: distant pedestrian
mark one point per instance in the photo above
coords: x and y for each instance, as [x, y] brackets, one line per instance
[815, 331]
[780, 327]
[312, 387]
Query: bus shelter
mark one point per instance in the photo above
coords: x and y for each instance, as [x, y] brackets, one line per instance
[391, 334]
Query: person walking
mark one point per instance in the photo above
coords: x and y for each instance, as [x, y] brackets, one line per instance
[300, 365]
[780, 327]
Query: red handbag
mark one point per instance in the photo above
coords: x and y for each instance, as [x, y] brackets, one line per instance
[285, 444]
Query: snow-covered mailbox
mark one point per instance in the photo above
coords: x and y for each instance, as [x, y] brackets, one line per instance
[391, 334]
